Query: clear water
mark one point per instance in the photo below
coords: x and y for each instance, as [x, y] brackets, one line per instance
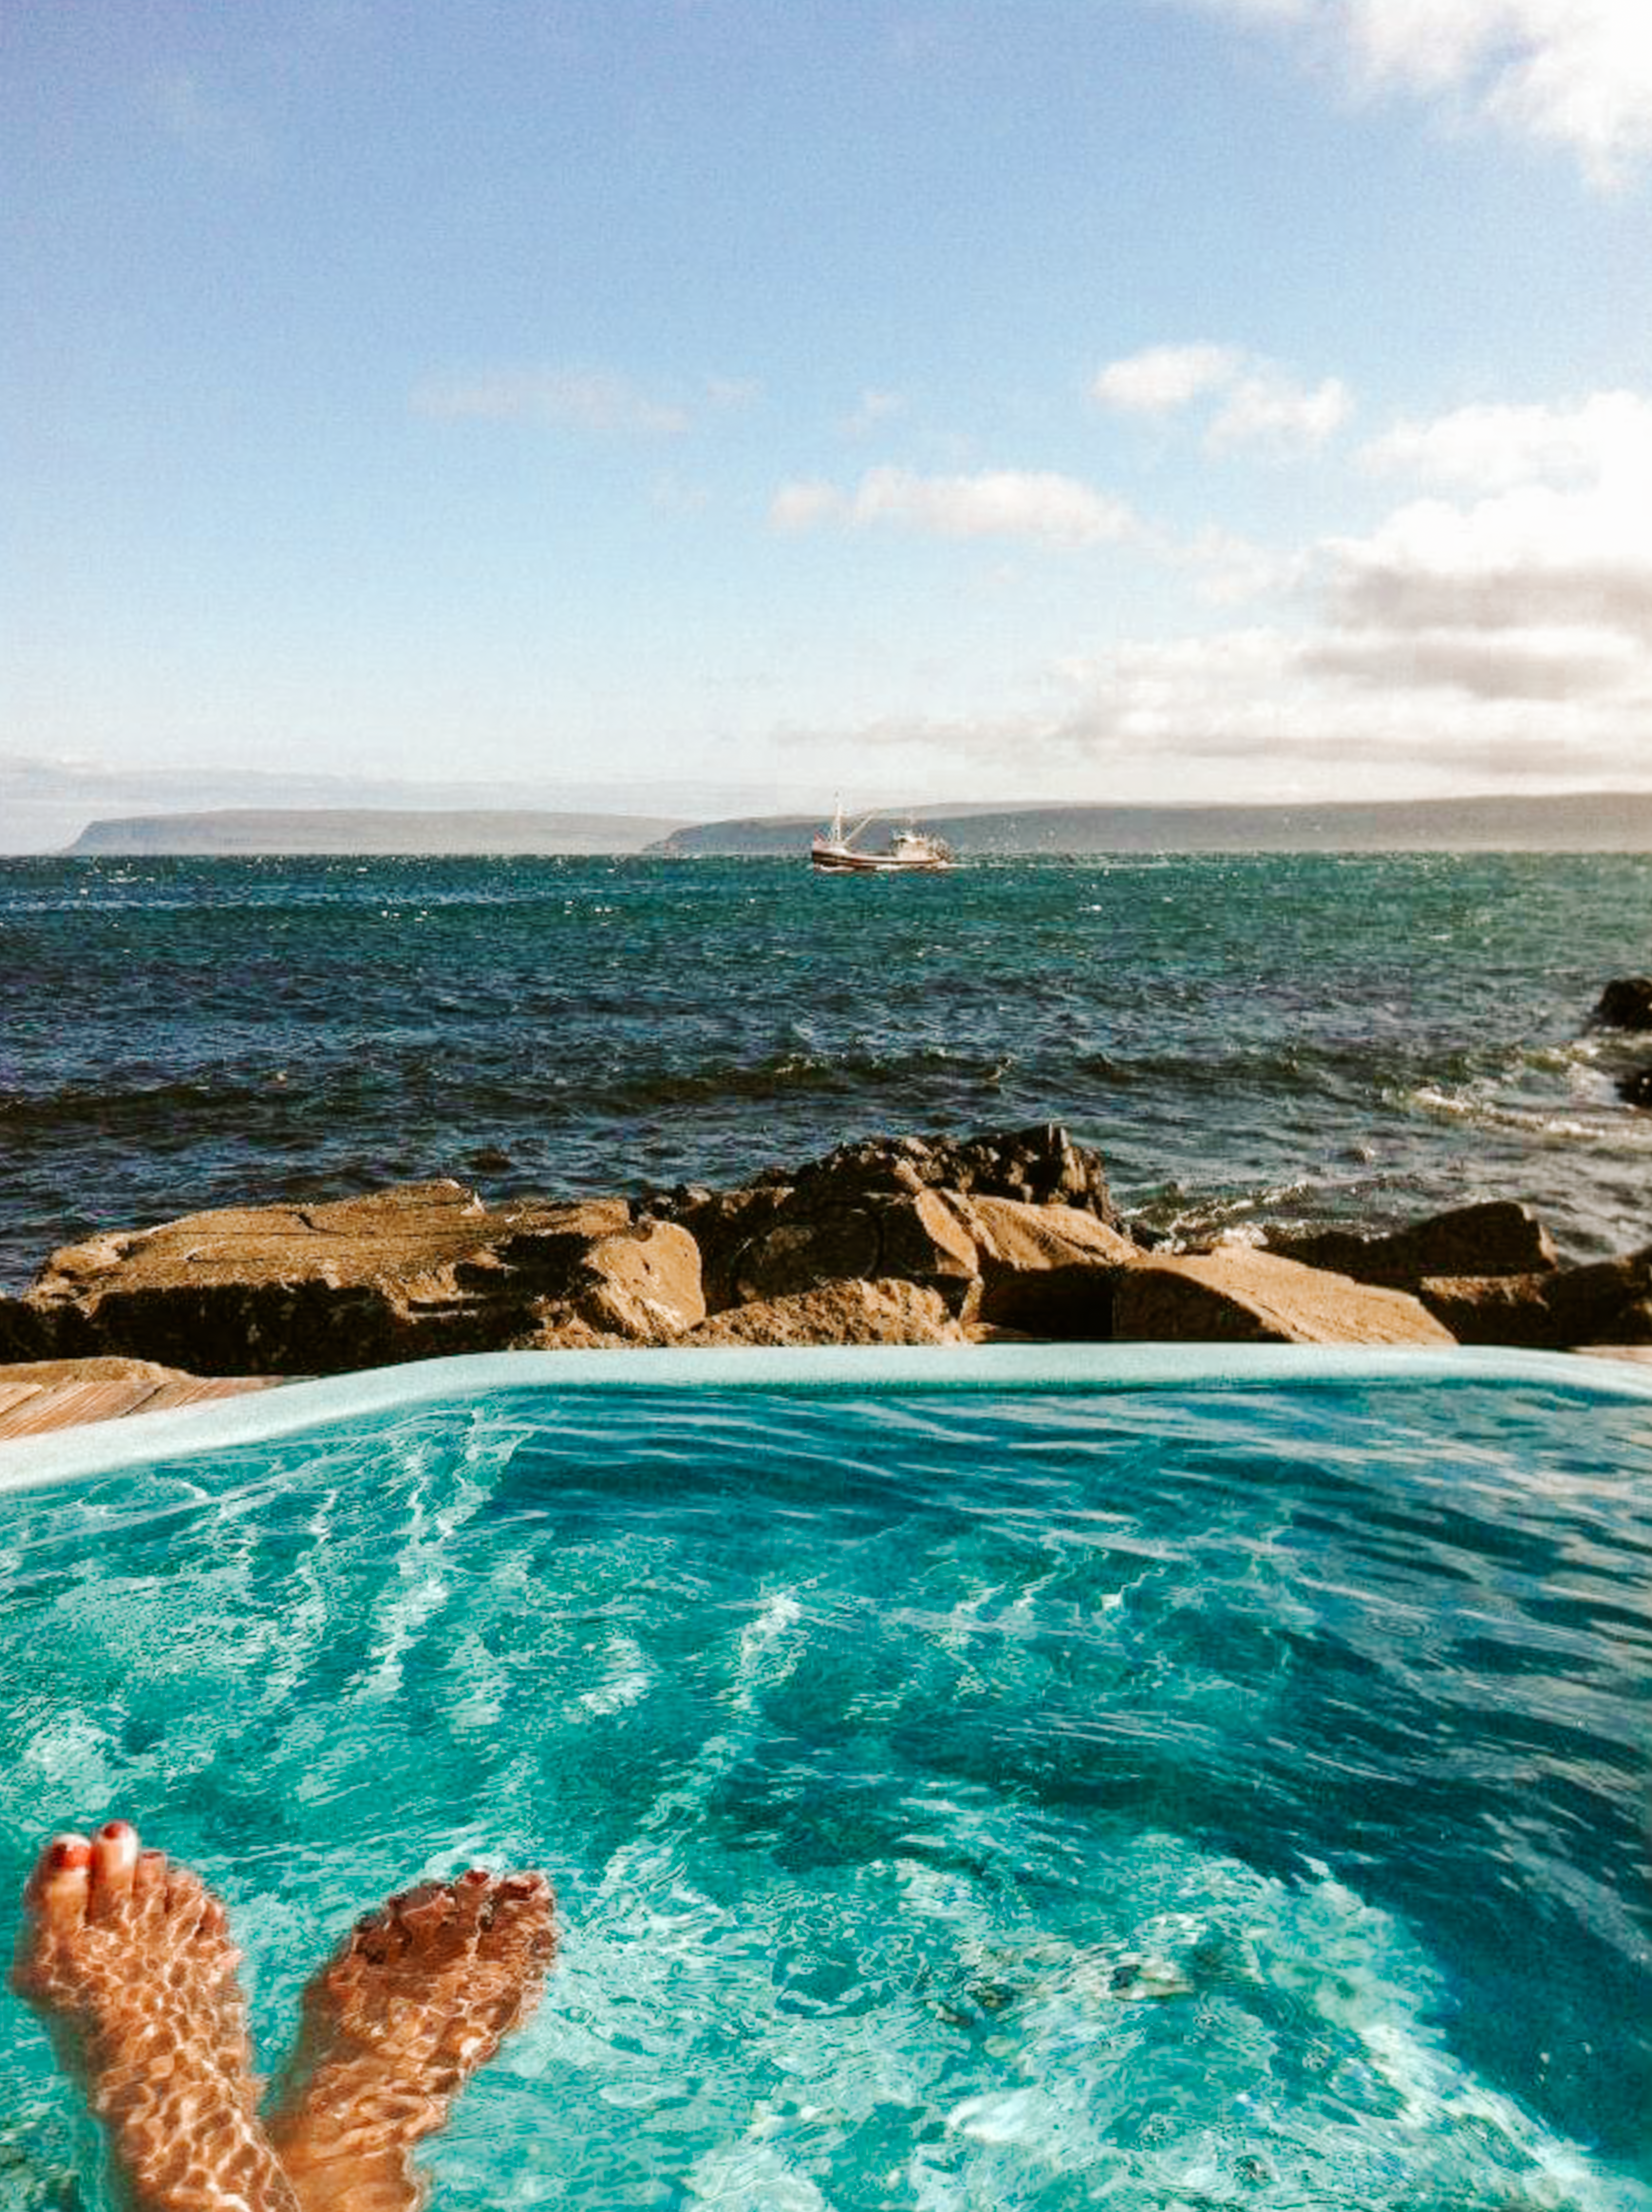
[1245, 1037]
[985, 1800]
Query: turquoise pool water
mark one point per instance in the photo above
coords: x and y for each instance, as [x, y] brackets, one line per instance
[1176, 1795]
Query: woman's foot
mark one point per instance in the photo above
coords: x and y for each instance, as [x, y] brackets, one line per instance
[128, 1959]
[419, 1996]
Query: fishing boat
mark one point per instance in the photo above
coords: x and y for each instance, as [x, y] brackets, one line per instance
[909, 852]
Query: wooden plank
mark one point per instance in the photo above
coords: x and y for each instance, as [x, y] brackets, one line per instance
[70, 1403]
[14, 1393]
[198, 1390]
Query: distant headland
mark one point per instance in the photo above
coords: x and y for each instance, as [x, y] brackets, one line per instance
[384, 831]
[1559, 822]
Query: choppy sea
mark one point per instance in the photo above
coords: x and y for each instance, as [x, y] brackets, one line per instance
[1246, 1038]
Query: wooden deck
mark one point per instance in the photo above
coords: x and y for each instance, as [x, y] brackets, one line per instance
[64, 1393]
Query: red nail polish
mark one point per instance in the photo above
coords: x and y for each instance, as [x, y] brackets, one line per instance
[65, 1854]
[475, 1875]
[111, 1830]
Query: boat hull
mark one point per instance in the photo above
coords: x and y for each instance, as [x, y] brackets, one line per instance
[843, 860]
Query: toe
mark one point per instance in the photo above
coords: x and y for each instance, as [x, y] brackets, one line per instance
[114, 1860]
[374, 1937]
[59, 1887]
[471, 1894]
[185, 1899]
[519, 1921]
[150, 1878]
[424, 1911]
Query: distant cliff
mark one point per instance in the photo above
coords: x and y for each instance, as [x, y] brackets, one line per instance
[299, 831]
[1564, 821]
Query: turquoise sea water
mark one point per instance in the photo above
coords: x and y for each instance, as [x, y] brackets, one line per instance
[970, 1801]
[1245, 1037]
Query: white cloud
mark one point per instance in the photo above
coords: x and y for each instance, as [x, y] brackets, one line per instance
[1036, 505]
[1575, 74]
[1247, 713]
[1524, 558]
[1498, 638]
[1492, 448]
[1542, 589]
[1162, 378]
[1255, 401]
[581, 399]
[1268, 409]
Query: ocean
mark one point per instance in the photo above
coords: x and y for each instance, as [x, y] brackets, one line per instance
[1246, 1038]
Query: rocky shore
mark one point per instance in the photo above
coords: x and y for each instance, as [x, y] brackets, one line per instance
[907, 1240]
[892, 1240]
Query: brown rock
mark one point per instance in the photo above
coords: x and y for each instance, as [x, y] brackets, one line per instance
[1045, 1270]
[848, 1196]
[409, 1273]
[1499, 1237]
[1608, 1302]
[1626, 1003]
[778, 1242]
[641, 1286]
[1040, 1166]
[1237, 1295]
[888, 1312]
[25, 1334]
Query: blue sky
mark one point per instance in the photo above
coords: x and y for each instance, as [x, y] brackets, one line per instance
[1120, 399]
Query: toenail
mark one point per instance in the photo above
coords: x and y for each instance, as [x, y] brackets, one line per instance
[71, 1852]
[476, 1875]
[113, 1831]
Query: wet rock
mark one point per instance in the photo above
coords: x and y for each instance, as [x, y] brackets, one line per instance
[882, 1206]
[1636, 1087]
[1626, 1003]
[886, 1312]
[1039, 1166]
[408, 1273]
[1044, 1270]
[774, 1242]
[639, 1286]
[25, 1332]
[1607, 1302]
[1498, 1237]
[1237, 1295]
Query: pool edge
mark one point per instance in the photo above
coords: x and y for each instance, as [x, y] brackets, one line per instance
[31, 1462]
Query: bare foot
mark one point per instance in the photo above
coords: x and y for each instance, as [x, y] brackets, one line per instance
[128, 1959]
[419, 1996]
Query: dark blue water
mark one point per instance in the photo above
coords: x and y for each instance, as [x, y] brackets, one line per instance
[1247, 1037]
[992, 1802]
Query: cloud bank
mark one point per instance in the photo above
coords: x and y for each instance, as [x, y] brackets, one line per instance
[1495, 627]
[1038, 505]
[1253, 402]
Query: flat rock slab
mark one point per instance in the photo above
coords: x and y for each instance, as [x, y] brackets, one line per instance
[1238, 1295]
[408, 1274]
[1496, 1237]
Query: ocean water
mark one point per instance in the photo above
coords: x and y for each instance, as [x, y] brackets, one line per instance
[987, 1802]
[1245, 1038]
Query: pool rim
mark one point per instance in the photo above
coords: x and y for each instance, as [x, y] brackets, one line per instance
[290, 1409]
